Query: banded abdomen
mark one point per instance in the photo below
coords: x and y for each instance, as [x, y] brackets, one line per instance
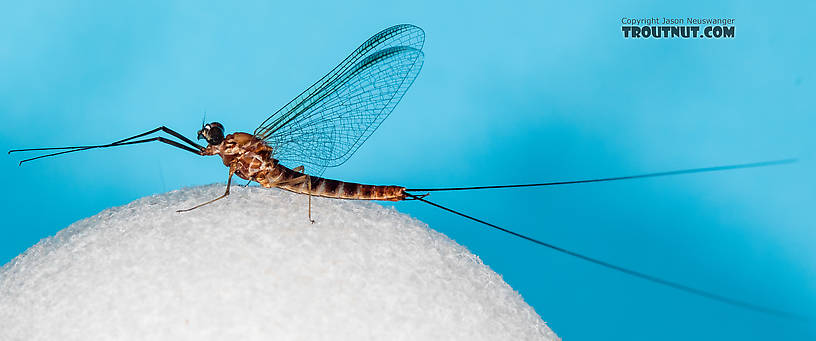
[290, 180]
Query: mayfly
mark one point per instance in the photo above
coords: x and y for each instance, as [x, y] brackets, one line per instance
[324, 125]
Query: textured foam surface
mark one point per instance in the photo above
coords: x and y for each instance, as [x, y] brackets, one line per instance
[252, 267]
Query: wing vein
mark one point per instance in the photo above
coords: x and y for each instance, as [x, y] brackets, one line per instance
[326, 124]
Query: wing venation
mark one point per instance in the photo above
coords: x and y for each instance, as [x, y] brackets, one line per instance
[323, 126]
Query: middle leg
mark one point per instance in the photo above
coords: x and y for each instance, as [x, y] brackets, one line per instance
[226, 193]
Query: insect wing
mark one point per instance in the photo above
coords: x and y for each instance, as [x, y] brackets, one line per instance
[328, 122]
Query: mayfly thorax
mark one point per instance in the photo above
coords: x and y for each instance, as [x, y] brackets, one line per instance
[324, 125]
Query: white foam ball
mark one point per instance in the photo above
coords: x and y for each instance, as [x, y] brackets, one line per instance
[251, 267]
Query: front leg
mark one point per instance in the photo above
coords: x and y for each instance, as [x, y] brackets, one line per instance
[195, 149]
[229, 181]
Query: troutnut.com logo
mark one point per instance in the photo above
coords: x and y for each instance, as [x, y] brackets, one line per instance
[657, 28]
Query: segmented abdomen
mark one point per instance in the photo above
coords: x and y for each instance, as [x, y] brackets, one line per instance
[290, 180]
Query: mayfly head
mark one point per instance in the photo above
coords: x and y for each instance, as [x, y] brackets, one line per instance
[212, 132]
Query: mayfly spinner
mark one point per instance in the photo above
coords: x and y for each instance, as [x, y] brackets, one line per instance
[324, 125]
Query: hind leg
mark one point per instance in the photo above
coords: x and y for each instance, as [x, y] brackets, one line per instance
[308, 180]
[299, 181]
[309, 186]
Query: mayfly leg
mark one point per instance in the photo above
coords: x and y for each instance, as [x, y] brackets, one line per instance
[226, 193]
[298, 181]
[193, 147]
[309, 193]
[301, 169]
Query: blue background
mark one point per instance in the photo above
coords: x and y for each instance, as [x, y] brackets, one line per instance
[508, 94]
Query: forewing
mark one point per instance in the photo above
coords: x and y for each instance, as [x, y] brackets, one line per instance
[328, 122]
[327, 133]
